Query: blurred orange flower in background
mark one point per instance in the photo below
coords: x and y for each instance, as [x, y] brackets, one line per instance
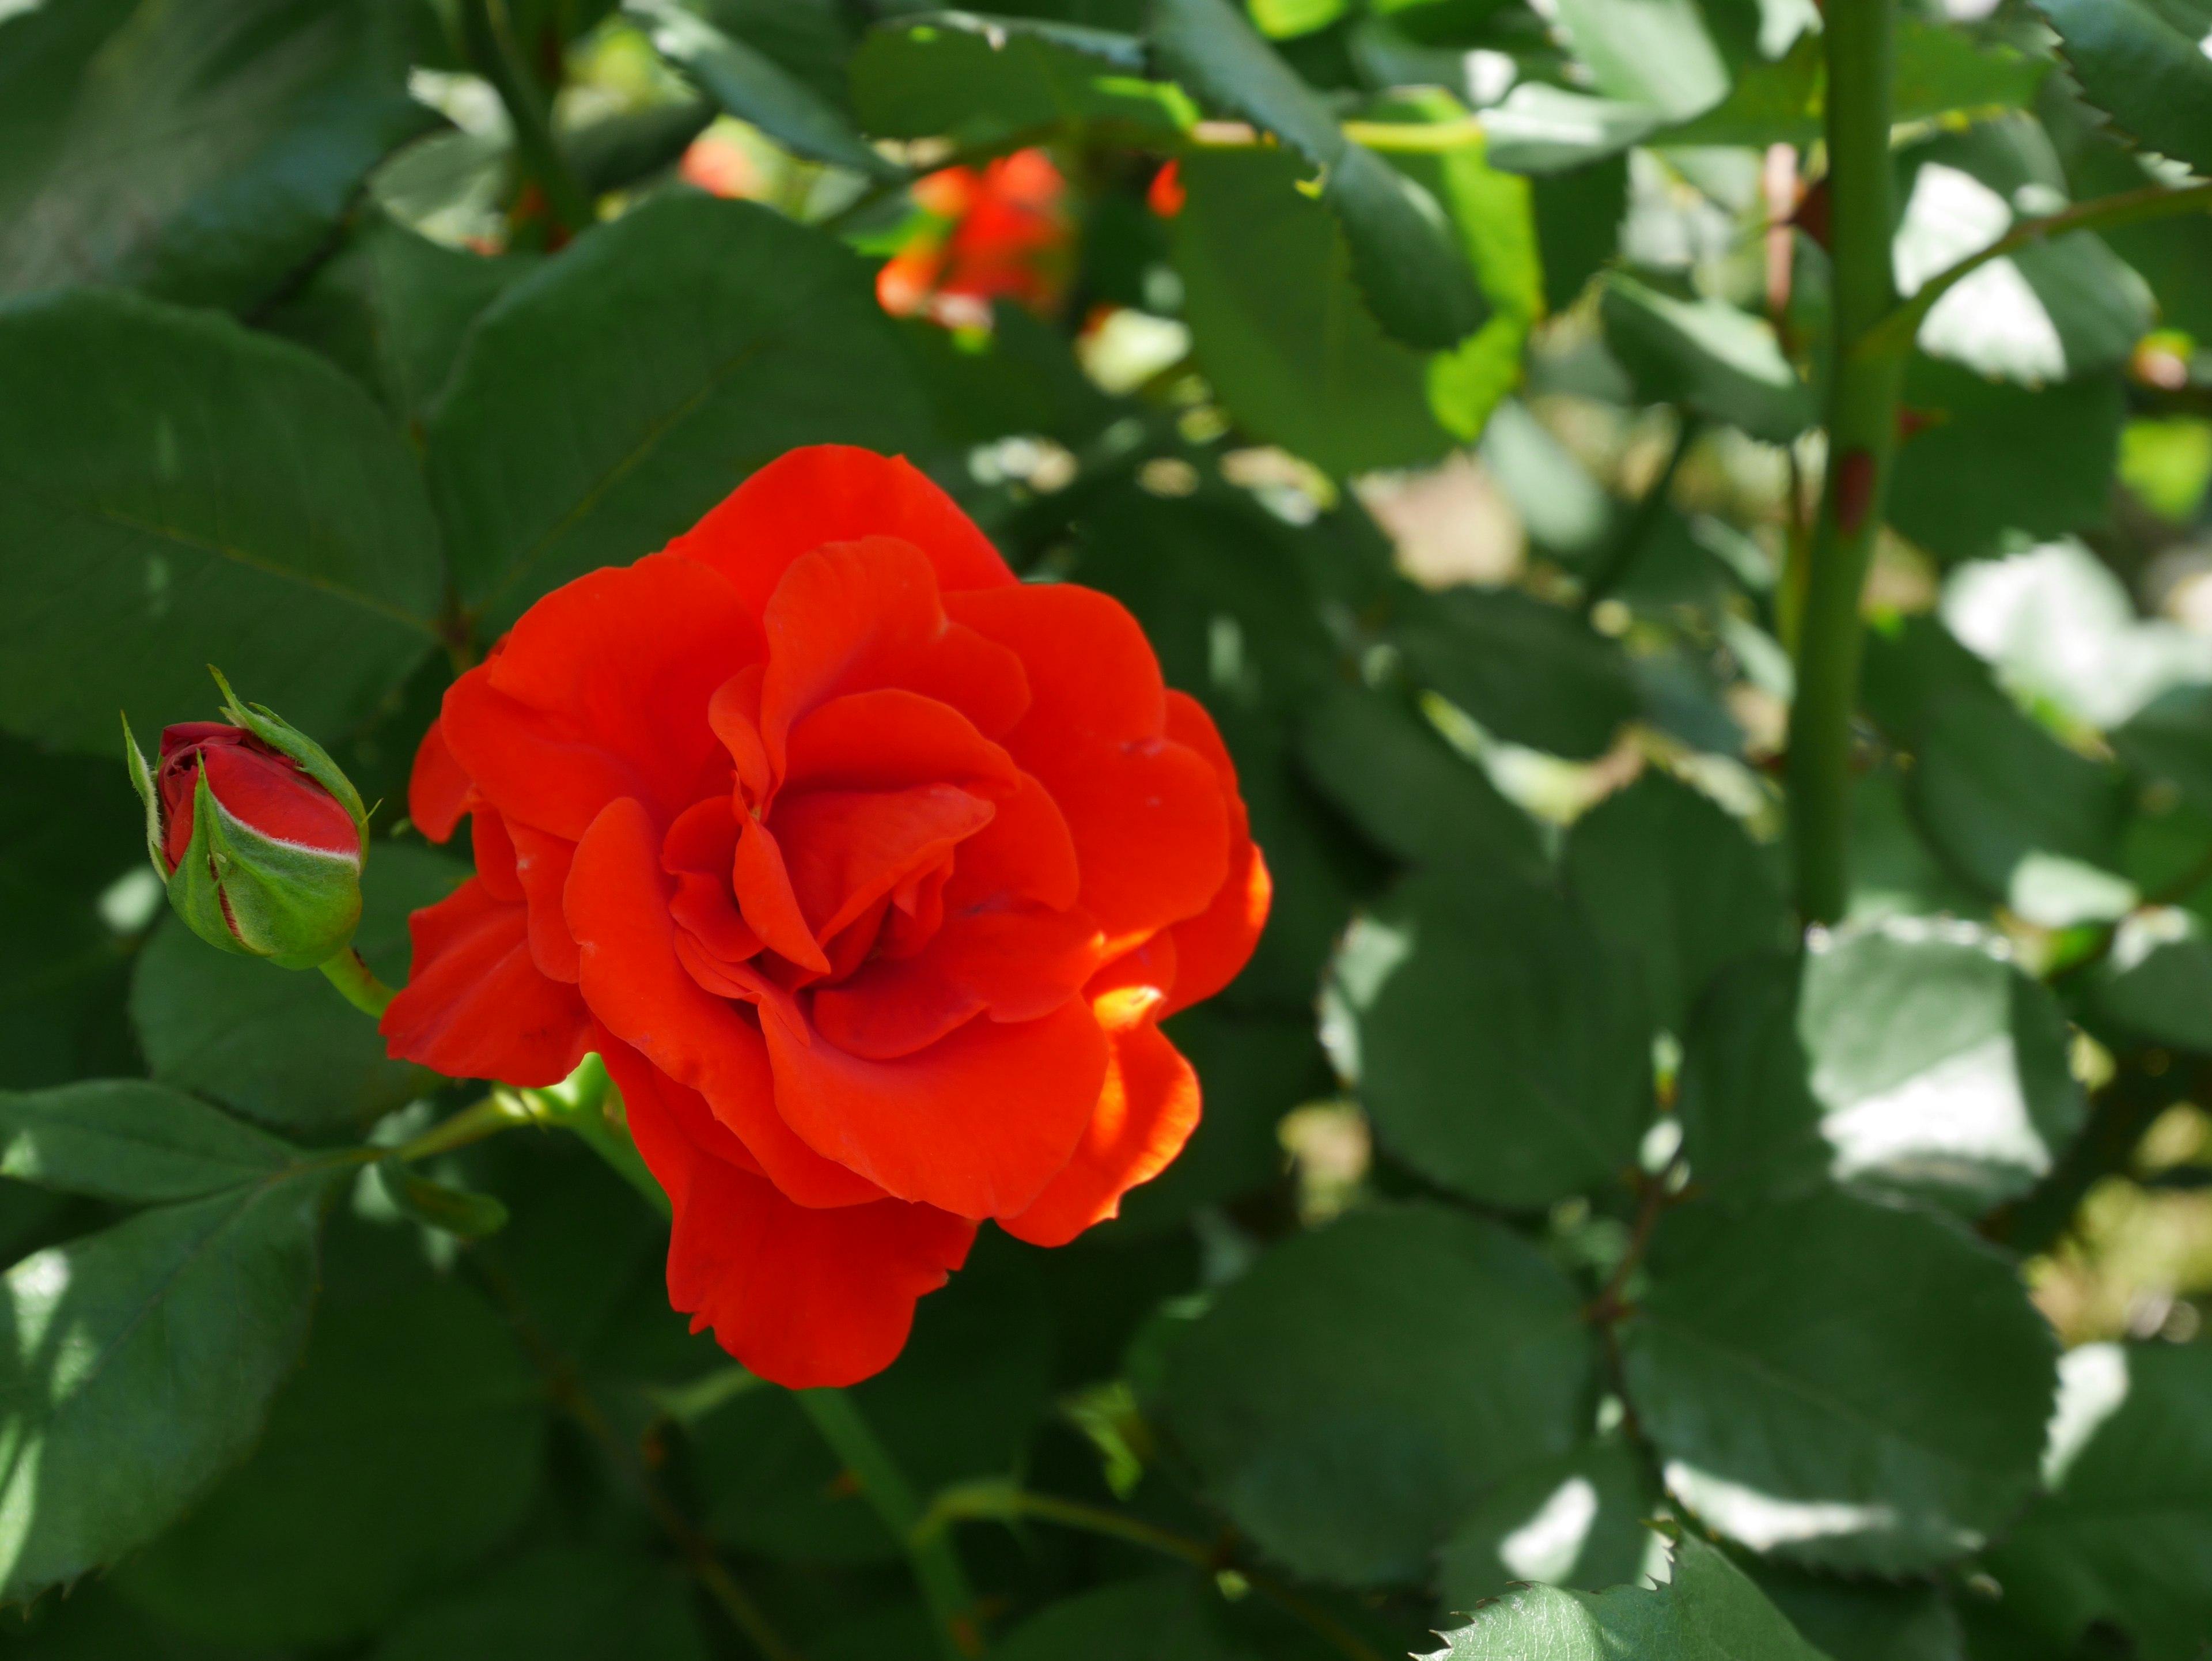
[999, 233]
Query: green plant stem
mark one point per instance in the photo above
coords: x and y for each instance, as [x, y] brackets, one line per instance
[489, 41]
[357, 984]
[472, 1125]
[884, 1485]
[1003, 1502]
[1637, 533]
[588, 1103]
[1862, 424]
[1896, 331]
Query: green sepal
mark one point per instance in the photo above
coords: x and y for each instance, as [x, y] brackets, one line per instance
[460, 1212]
[313, 759]
[294, 906]
[142, 781]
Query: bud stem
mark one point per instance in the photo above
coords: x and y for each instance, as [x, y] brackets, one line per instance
[357, 984]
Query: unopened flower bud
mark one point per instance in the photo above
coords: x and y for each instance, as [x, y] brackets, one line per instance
[257, 834]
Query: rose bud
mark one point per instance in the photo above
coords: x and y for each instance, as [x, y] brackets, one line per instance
[257, 834]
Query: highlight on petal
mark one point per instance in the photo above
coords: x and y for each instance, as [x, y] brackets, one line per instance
[1146, 1113]
[805, 1299]
[836, 493]
[476, 1006]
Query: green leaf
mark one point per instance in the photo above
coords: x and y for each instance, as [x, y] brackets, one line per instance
[460, 1212]
[2125, 1535]
[1403, 253]
[755, 88]
[1574, 1521]
[1708, 1610]
[119, 1138]
[559, 1603]
[1916, 1061]
[1495, 1044]
[76, 890]
[282, 1048]
[603, 405]
[2157, 981]
[1994, 457]
[1350, 1397]
[1838, 1382]
[2134, 62]
[1676, 885]
[990, 81]
[1706, 354]
[1567, 515]
[1161, 1615]
[1542, 129]
[1413, 795]
[177, 490]
[407, 1444]
[2023, 817]
[1278, 328]
[391, 309]
[200, 150]
[1530, 673]
[1865, 1619]
[2170, 739]
[137, 1366]
[1652, 52]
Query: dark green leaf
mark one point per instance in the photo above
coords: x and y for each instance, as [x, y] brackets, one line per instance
[1997, 458]
[1403, 253]
[1708, 1610]
[407, 1444]
[283, 1047]
[603, 405]
[1676, 885]
[2125, 1535]
[1718, 360]
[390, 308]
[1909, 1058]
[118, 1138]
[460, 1212]
[1543, 128]
[177, 491]
[1576, 1521]
[1495, 1044]
[992, 81]
[1840, 1383]
[2157, 982]
[755, 88]
[1358, 1389]
[1278, 328]
[1414, 796]
[201, 151]
[2134, 61]
[1865, 1619]
[1531, 674]
[562, 1603]
[75, 890]
[1161, 1618]
[2171, 738]
[138, 1364]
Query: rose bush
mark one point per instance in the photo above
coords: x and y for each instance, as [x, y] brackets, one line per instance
[869, 870]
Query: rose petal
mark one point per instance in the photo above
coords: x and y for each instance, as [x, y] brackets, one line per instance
[437, 789]
[617, 903]
[846, 849]
[1213, 948]
[1146, 1113]
[835, 493]
[475, 1005]
[975, 1124]
[495, 853]
[603, 692]
[1150, 827]
[805, 1299]
[890, 739]
[541, 865]
[769, 901]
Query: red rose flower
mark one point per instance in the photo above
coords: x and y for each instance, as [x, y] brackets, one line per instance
[998, 233]
[870, 871]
